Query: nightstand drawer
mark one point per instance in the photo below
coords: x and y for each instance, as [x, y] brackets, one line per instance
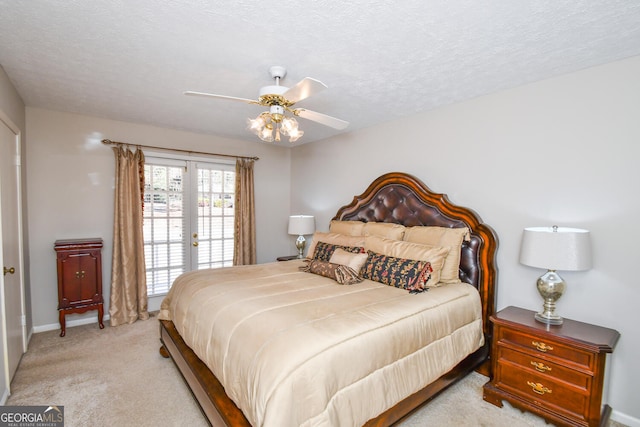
[548, 348]
[542, 390]
[544, 367]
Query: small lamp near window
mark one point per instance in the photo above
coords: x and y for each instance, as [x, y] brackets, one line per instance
[301, 225]
[554, 248]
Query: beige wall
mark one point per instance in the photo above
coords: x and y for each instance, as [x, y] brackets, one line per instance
[70, 192]
[562, 151]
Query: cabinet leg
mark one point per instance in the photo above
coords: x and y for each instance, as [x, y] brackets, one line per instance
[100, 314]
[489, 395]
[63, 328]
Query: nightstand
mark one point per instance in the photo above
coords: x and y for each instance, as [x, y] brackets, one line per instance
[287, 257]
[555, 371]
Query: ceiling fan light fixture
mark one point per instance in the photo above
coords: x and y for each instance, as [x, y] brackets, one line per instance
[279, 100]
[295, 135]
[266, 133]
[256, 125]
[268, 121]
[289, 124]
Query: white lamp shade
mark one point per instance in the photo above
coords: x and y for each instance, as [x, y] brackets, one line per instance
[556, 248]
[301, 225]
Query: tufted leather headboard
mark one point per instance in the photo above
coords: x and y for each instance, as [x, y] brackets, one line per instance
[403, 199]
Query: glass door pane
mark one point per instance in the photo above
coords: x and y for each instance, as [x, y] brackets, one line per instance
[214, 220]
[164, 226]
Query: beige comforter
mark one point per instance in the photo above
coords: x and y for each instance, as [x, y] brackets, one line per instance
[293, 348]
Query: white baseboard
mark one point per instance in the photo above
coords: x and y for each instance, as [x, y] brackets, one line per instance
[152, 305]
[5, 396]
[624, 419]
[69, 324]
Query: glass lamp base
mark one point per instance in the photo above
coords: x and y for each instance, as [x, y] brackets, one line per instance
[550, 319]
[551, 287]
[300, 244]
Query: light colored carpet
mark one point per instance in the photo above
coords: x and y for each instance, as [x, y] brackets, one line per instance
[116, 377]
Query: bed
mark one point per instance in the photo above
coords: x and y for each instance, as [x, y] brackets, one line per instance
[373, 372]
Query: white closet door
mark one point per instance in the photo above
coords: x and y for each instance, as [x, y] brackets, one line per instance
[11, 283]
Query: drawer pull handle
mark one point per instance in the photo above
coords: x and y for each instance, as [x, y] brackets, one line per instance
[538, 388]
[540, 366]
[540, 346]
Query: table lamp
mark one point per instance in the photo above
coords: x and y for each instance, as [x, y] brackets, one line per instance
[554, 248]
[301, 225]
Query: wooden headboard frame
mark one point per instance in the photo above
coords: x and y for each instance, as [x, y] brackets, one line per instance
[403, 199]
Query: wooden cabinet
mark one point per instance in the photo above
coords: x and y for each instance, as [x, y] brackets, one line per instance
[555, 371]
[79, 278]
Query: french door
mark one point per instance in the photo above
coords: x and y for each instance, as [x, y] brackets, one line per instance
[188, 218]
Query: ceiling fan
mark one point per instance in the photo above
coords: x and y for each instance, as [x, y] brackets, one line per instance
[280, 100]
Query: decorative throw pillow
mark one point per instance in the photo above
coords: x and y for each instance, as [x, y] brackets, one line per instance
[407, 250]
[350, 259]
[342, 274]
[324, 250]
[408, 274]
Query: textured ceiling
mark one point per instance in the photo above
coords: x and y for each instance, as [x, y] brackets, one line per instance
[131, 60]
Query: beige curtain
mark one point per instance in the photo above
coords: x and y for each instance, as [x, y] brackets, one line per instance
[128, 301]
[245, 231]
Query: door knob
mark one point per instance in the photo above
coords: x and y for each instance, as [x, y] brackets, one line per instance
[6, 270]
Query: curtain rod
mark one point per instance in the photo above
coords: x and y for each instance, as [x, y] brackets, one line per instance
[110, 142]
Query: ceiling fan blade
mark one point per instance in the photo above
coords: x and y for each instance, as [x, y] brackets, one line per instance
[211, 95]
[322, 119]
[304, 89]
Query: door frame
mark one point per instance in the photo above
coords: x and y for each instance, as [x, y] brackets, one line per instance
[6, 121]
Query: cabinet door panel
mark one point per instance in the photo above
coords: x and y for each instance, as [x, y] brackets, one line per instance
[69, 288]
[88, 276]
[79, 279]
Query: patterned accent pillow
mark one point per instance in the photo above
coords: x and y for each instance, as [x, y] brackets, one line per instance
[342, 274]
[408, 274]
[324, 250]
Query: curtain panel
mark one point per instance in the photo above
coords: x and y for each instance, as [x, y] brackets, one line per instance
[128, 299]
[244, 251]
